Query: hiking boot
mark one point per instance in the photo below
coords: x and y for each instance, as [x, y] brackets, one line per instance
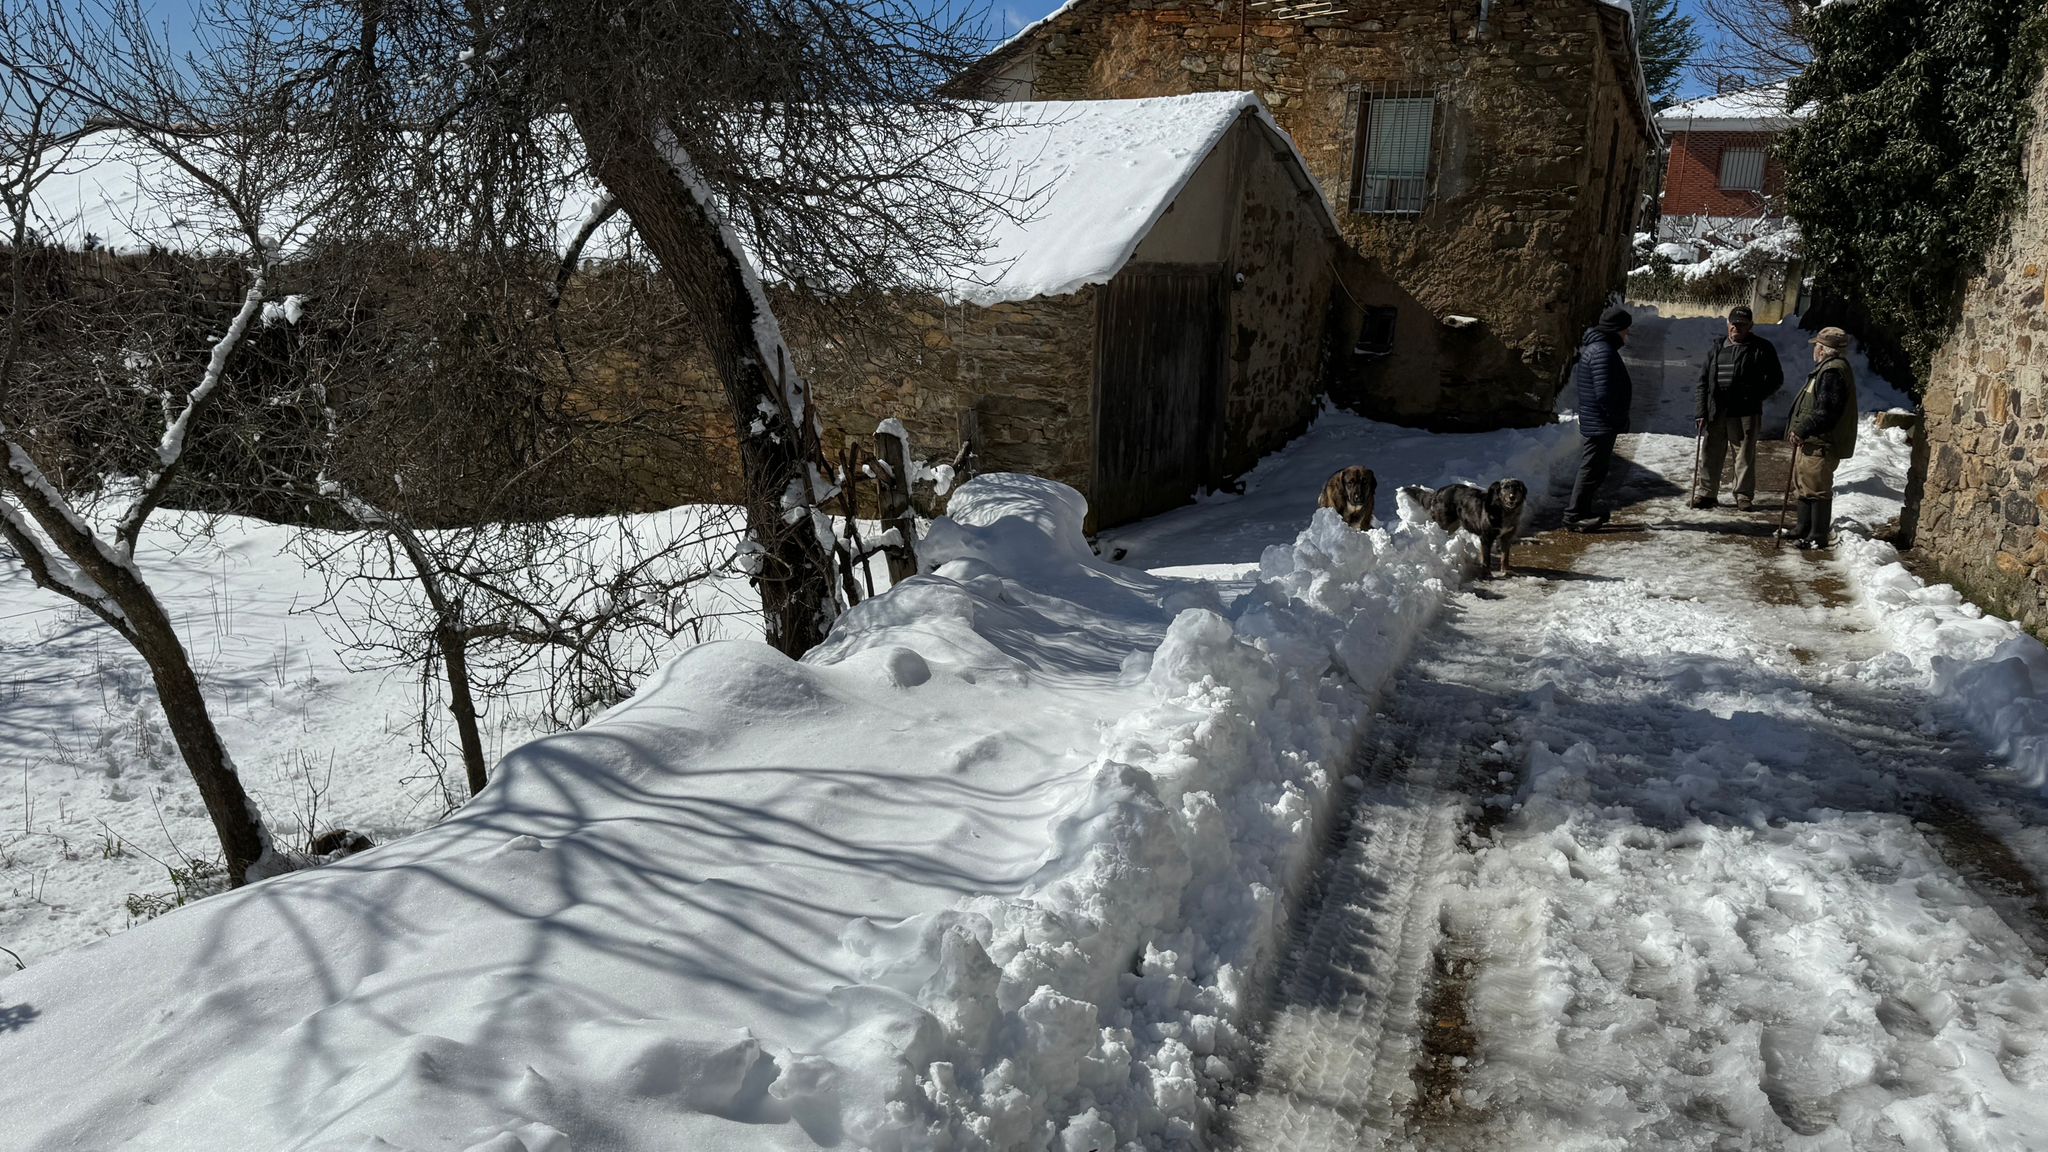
[1705, 502]
[1742, 503]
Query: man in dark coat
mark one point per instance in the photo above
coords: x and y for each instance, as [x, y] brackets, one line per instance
[1604, 395]
[1823, 430]
[1741, 372]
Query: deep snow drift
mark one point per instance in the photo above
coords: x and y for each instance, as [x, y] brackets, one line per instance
[95, 805]
[996, 866]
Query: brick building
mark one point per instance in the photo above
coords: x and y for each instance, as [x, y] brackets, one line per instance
[1487, 159]
[1722, 167]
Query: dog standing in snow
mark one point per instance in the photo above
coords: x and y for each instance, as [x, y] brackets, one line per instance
[1351, 492]
[1494, 514]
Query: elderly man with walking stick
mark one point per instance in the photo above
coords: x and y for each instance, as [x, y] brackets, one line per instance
[1741, 372]
[1823, 433]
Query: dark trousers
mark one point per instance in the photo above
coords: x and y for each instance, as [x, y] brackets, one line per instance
[1596, 454]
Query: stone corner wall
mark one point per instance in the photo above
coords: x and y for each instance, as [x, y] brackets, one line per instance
[1279, 314]
[1983, 515]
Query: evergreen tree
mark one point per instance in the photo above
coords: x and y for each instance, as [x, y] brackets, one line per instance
[1909, 157]
[1665, 41]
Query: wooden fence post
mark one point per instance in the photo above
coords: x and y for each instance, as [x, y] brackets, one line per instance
[970, 447]
[893, 485]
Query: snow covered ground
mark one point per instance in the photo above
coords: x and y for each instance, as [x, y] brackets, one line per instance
[1008, 862]
[999, 865]
[95, 804]
[1664, 845]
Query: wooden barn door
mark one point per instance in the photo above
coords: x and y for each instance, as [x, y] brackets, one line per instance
[1158, 389]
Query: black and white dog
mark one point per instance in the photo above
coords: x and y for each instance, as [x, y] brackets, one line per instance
[1493, 514]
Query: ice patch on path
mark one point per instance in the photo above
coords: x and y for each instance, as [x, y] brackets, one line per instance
[1987, 670]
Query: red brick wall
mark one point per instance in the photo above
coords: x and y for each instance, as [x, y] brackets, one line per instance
[1692, 182]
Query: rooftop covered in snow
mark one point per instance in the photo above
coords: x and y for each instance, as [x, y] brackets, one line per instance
[1079, 185]
[1751, 110]
[1095, 176]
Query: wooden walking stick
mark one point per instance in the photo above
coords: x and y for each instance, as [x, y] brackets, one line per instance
[1699, 437]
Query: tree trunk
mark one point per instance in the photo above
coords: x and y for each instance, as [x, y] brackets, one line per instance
[462, 704]
[795, 575]
[243, 840]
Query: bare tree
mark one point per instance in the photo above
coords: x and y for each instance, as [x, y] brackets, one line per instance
[210, 126]
[801, 140]
[1755, 42]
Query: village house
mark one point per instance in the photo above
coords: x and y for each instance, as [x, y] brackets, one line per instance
[1487, 160]
[1146, 322]
[1722, 171]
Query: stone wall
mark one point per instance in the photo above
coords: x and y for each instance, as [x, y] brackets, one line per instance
[1279, 308]
[1982, 514]
[1025, 368]
[1540, 153]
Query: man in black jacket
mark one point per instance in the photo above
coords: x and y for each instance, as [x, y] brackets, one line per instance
[1604, 395]
[1741, 372]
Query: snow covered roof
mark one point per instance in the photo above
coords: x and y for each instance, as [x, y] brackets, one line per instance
[1751, 110]
[113, 191]
[1095, 176]
[1081, 184]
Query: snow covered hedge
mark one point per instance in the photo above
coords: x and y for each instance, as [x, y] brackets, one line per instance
[1001, 865]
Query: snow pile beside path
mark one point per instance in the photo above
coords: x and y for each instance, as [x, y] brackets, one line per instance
[1988, 670]
[996, 867]
[1103, 1001]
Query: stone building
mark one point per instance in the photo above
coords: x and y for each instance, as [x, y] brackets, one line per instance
[1487, 159]
[1148, 321]
[1984, 512]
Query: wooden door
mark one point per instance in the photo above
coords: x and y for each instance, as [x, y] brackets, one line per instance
[1158, 389]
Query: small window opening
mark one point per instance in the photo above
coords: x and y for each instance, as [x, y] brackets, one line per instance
[1376, 333]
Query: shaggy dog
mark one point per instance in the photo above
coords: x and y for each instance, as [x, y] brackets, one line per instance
[1494, 514]
[1350, 492]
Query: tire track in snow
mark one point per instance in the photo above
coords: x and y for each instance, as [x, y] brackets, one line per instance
[1340, 1054]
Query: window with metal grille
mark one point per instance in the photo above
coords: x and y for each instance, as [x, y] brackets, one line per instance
[1394, 137]
[1376, 333]
[1742, 169]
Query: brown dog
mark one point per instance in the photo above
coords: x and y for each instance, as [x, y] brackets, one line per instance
[1350, 492]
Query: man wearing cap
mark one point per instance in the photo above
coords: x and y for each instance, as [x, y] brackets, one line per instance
[1823, 430]
[1604, 395]
[1741, 372]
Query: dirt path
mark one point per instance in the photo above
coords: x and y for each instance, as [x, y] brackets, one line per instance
[1639, 862]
